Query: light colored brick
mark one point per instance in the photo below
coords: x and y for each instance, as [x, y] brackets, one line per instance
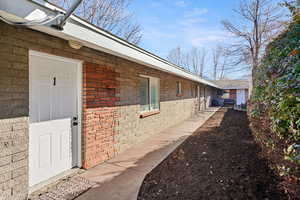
[5, 177]
[20, 172]
[5, 186]
[5, 160]
[19, 164]
[5, 195]
[19, 156]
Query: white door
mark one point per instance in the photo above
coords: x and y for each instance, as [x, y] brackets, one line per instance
[53, 104]
[240, 97]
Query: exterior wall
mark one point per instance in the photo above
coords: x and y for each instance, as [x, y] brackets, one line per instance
[13, 158]
[232, 94]
[111, 116]
[173, 109]
[100, 114]
[111, 110]
[14, 87]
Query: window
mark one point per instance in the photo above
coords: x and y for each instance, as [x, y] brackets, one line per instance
[179, 88]
[149, 93]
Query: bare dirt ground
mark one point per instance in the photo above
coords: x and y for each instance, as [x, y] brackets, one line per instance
[219, 161]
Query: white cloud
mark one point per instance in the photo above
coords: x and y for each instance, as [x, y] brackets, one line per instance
[153, 33]
[180, 3]
[204, 36]
[207, 39]
[195, 12]
[193, 17]
[192, 21]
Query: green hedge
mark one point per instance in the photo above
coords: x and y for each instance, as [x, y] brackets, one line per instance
[275, 101]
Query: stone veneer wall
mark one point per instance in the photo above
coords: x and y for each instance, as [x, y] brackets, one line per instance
[14, 87]
[100, 114]
[111, 121]
[13, 158]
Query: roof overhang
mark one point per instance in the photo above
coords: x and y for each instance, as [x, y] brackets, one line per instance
[234, 88]
[77, 29]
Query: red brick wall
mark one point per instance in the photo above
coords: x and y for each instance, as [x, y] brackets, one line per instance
[232, 94]
[100, 116]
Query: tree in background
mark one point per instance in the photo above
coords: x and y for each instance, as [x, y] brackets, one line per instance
[197, 59]
[111, 15]
[219, 62]
[259, 21]
[178, 57]
[193, 60]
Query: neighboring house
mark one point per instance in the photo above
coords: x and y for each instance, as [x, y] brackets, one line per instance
[237, 90]
[78, 96]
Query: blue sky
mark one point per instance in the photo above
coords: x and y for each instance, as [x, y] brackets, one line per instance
[169, 23]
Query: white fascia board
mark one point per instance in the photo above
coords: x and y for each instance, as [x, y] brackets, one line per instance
[95, 38]
[234, 88]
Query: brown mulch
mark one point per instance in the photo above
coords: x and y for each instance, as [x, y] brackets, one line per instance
[219, 161]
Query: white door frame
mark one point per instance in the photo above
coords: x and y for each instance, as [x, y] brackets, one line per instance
[78, 148]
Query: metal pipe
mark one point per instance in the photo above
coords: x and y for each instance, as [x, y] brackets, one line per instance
[31, 23]
[68, 14]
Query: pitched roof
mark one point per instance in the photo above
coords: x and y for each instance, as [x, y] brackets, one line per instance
[233, 84]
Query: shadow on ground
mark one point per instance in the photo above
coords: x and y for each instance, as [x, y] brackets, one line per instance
[120, 178]
[219, 161]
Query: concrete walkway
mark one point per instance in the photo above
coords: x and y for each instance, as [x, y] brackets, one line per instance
[120, 178]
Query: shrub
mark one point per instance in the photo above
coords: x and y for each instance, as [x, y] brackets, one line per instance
[275, 102]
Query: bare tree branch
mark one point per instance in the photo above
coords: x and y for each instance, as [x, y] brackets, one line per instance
[111, 15]
[197, 60]
[193, 60]
[217, 54]
[259, 22]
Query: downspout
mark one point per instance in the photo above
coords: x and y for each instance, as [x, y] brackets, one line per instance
[67, 15]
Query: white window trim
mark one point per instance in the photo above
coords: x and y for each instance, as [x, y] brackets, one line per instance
[151, 110]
